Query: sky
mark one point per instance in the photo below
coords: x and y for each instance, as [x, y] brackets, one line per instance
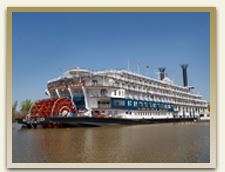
[47, 44]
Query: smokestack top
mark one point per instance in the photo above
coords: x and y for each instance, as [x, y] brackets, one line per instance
[184, 66]
[162, 73]
[162, 69]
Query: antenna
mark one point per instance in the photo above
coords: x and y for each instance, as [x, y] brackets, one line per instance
[138, 68]
[128, 64]
[147, 70]
[155, 71]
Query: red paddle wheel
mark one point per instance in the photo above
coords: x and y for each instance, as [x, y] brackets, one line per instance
[55, 107]
[51, 107]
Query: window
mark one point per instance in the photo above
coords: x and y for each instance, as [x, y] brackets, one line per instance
[103, 104]
[119, 102]
[115, 92]
[103, 92]
[94, 82]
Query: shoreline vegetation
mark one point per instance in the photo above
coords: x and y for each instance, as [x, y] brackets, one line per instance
[23, 110]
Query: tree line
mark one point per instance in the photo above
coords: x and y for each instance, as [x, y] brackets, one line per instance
[23, 110]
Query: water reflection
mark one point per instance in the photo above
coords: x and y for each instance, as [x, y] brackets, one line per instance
[173, 142]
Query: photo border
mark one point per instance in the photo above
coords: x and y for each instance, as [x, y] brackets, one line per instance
[213, 87]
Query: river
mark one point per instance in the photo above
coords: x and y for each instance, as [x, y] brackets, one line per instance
[186, 142]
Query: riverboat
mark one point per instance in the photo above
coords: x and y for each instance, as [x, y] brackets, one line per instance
[85, 97]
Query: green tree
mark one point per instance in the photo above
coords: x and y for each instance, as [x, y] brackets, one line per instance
[25, 106]
[14, 107]
[14, 112]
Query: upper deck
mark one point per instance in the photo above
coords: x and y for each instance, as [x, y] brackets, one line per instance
[119, 79]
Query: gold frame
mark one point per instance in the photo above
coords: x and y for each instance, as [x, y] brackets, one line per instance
[213, 87]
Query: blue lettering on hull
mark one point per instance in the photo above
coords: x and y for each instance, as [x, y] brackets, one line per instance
[132, 104]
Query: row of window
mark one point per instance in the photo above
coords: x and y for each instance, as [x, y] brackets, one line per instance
[148, 104]
[119, 93]
[144, 113]
[189, 109]
[135, 104]
[147, 95]
[154, 84]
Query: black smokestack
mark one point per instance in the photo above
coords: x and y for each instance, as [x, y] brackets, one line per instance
[162, 73]
[185, 77]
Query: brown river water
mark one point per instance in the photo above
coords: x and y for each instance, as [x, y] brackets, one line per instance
[186, 142]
